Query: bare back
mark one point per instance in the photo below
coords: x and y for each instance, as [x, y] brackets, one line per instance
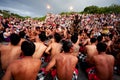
[91, 51]
[104, 66]
[40, 49]
[9, 53]
[65, 64]
[56, 48]
[24, 69]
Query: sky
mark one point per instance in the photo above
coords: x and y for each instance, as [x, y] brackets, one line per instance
[39, 8]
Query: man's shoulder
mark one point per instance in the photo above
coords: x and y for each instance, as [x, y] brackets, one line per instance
[97, 57]
[4, 47]
[14, 64]
[23, 61]
[87, 46]
[72, 57]
[110, 56]
[17, 47]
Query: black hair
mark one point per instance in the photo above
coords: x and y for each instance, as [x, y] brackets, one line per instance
[75, 33]
[42, 36]
[57, 37]
[111, 36]
[22, 34]
[28, 48]
[37, 28]
[85, 30]
[74, 38]
[66, 46]
[99, 38]
[80, 32]
[101, 47]
[14, 39]
[93, 40]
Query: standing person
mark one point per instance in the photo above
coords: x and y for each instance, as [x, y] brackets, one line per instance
[55, 46]
[65, 62]
[7, 34]
[25, 68]
[104, 63]
[10, 52]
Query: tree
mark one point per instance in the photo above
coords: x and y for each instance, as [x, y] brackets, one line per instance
[91, 9]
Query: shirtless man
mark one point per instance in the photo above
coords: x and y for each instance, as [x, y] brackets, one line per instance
[75, 41]
[25, 68]
[55, 46]
[40, 46]
[91, 50]
[22, 36]
[104, 63]
[65, 62]
[11, 51]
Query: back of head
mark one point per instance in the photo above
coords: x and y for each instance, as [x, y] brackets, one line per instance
[14, 39]
[74, 38]
[22, 34]
[57, 37]
[28, 48]
[42, 36]
[101, 47]
[37, 28]
[93, 40]
[111, 36]
[99, 38]
[67, 46]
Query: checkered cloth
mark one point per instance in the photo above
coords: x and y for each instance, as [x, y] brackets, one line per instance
[41, 75]
[75, 75]
[82, 57]
[91, 74]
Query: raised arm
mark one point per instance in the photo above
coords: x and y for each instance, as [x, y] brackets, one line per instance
[65, 33]
[48, 49]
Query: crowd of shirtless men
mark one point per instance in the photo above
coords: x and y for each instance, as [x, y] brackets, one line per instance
[33, 52]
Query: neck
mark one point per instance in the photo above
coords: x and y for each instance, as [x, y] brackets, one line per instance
[93, 43]
[11, 44]
[102, 52]
[27, 56]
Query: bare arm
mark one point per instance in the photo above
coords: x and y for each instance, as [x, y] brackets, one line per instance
[48, 49]
[86, 42]
[85, 50]
[65, 33]
[8, 74]
[42, 52]
[0, 62]
[78, 41]
[51, 64]
[93, 60]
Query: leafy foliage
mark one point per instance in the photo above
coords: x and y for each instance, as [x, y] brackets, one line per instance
[88, 10]
[7, 14]
[40, 18]
[95, 9]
